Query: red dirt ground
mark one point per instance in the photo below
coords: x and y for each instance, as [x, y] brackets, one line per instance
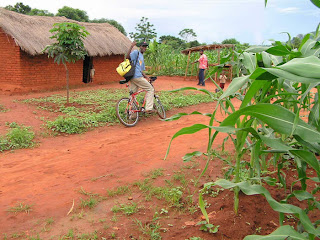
[49, 176]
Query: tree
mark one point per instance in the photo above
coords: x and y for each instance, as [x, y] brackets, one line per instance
[230, 41]
[172, 41]
[296, 41]
[68, 47]
[144, 31]
[194, 43]
[39, 12]
[73, 13]
[112, 22]
[187, 34]
[25, 9]
[19, 8]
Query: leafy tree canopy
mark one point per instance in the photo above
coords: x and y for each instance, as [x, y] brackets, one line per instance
[39, 12]
[188, 34]
[230, 41]
[144, 31]
[112, 22]
[172, 41]
[19, 8]
[73, 13]
[68, 12]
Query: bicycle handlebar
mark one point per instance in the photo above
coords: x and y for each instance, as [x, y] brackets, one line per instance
[151, 79]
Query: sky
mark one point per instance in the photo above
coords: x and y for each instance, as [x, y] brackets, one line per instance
[248, 21]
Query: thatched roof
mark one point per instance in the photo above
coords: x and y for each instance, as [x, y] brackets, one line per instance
[207, 47]
[31, 34]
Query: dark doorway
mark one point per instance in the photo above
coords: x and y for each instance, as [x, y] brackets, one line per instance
[87, 69]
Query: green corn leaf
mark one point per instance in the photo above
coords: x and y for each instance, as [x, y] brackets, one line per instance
[316, 2]
[275, 144]
[278, 50]
[307, 157]
[282, 233]
[187, 130]
[307, 49]
[234, 86]
[304, 40]
[202, 208]
[256, 49]
[188, 157]
[267, 61]
[302, 195]
[249, 61]
[193, 88]
[278, 118]
[254, 88]
[262, 74]
[304, 67]
[179, 115]
[249, 189]
[312, 146]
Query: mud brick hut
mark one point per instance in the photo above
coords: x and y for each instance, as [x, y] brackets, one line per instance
[24, 67]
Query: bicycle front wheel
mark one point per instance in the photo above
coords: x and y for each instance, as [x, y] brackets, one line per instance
[157, 105]
[127, 113]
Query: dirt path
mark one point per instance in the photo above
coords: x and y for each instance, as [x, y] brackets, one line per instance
[49, 176]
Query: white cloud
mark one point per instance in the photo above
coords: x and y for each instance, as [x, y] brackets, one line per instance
[289, 10]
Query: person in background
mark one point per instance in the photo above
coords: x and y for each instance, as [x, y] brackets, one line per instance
[139, 79]
[203, 65]
[222, 80]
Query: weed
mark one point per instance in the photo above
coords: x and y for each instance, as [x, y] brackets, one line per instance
[17, 137]
[70, 235]
[3, 108]
[155, 173]
[90, 203]
[179, 176]
[70, 125]
[84, 192]
[208, 227]
[149, 229]
[20, 207]
[127, 209]
[118, 191]
[88, 236]
[114, 218]
[113, 235]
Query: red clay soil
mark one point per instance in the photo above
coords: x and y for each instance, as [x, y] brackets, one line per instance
[49, 176]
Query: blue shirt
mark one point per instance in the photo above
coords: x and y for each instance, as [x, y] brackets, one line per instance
[139, 65]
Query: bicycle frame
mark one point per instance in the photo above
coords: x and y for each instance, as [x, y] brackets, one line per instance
[133, 99]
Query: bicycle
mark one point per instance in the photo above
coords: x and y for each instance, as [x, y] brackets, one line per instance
[128, 108]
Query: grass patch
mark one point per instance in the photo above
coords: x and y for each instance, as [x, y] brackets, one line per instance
[119, 191]
[90, 203]
[18, 136]
[20, 207]
[3, 109]
[127, 209]
[94, 108]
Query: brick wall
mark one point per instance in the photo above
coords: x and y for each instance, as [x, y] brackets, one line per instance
[23, 72]
[10, 73]
[105, 68]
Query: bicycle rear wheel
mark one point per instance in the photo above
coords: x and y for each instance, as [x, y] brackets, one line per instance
[157, 105]
[127, 113]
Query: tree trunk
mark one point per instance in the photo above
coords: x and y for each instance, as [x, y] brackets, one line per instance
[67, 72]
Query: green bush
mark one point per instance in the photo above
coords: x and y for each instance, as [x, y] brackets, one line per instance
[68, 125]
[17, 137]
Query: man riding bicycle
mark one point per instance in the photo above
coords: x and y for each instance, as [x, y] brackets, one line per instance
[139, 79]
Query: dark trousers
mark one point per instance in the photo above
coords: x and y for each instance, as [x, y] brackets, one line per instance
[201, 77]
